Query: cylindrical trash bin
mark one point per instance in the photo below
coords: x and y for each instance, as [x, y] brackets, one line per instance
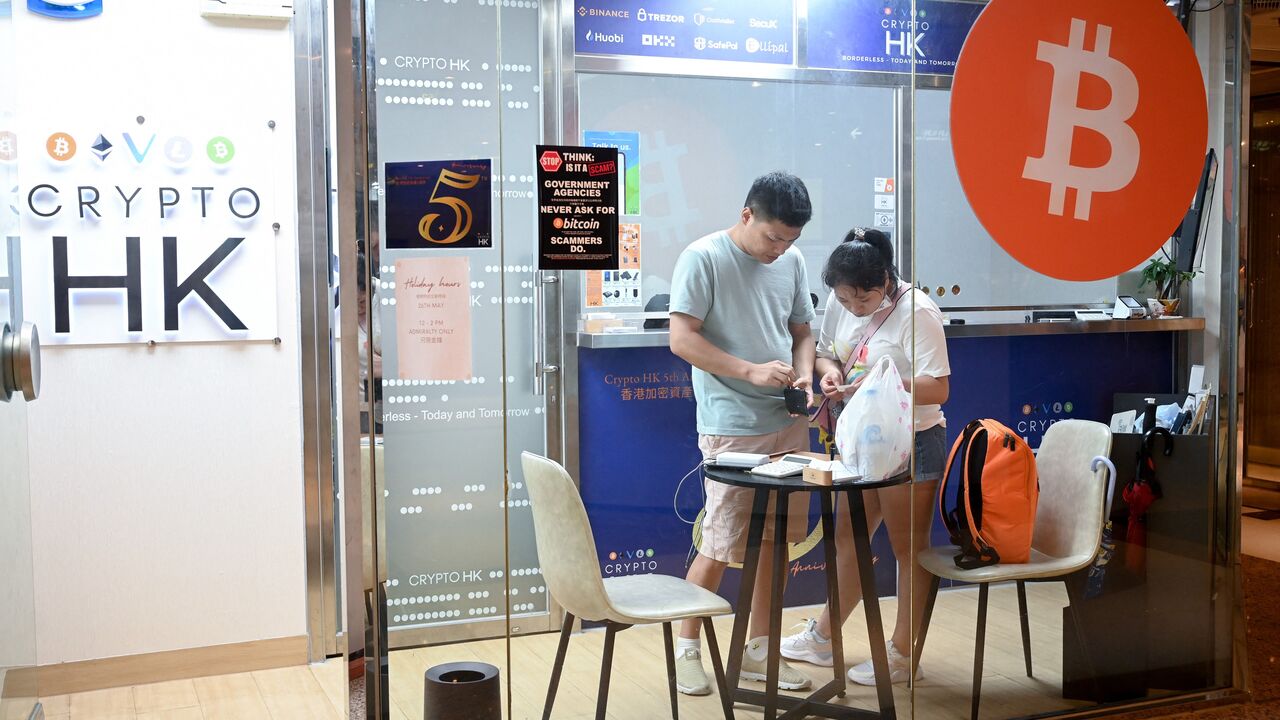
[462, 691]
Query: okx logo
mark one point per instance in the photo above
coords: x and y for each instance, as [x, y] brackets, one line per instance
[1084, 171]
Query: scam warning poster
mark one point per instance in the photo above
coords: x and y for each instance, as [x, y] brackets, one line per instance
[577, 208]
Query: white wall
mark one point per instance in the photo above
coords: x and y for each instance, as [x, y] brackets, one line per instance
[167, 495]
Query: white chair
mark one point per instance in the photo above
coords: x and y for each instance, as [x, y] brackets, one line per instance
[567, 552]
[1069, 523]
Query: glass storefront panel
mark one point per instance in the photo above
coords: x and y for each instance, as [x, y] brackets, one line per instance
[479, 356]
[1125, 596]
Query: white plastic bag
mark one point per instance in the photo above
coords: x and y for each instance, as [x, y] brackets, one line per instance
[874, 433]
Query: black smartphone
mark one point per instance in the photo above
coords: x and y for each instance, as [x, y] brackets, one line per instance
[797, 400]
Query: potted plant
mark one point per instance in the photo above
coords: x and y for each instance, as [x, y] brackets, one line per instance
[1163, 272]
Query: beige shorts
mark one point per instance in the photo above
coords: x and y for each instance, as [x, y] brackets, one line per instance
[728, 509]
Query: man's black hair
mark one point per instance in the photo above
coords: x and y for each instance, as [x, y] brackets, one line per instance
[782, 197]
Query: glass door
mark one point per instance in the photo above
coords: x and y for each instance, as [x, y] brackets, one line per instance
[456, 383]
[17, 585]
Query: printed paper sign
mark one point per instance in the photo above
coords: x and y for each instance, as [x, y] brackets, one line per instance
[613, 288]
[884, 202]
[884, 219]
[577, 208]
[433, 318]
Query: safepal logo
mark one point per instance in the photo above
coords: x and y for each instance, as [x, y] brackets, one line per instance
[701, 44]
[658, 40]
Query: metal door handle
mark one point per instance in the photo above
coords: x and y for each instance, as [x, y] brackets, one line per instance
[541, 369]
[20, 362]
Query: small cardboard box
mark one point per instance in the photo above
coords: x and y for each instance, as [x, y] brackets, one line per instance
[817, 477]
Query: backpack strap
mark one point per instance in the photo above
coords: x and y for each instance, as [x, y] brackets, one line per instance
[974, 552]
[950, 517]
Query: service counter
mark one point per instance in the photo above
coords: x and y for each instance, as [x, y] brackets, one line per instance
[638, 456]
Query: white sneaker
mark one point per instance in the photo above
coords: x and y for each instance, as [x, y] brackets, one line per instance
[691, 679]
[899, 669]
[788, 677]
[806, 646]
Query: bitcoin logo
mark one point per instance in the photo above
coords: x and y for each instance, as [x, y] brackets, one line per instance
[221, 150]
[8, 146]
[1054, 167]
[1078, 131]
[61, 146]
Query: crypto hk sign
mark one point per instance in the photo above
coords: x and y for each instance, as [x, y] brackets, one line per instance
[132, 232]
[1079, 131]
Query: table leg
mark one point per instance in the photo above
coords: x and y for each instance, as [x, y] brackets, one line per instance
[871, 603]
[775, 606]
[833, 588]
[755, 533]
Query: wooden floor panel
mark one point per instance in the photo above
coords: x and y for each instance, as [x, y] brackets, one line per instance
[638, 689]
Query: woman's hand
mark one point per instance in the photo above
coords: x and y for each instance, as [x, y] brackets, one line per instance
[830, 385]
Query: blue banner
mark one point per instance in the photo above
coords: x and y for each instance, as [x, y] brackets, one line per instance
[756, 31]
[883, 35]
[639, 454]
[640, 480]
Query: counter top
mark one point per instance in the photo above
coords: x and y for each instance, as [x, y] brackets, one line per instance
[659, 338]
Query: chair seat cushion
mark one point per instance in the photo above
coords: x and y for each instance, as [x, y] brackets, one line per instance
[941, 562]
[642, 599]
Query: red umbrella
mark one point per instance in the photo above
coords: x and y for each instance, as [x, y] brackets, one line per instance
[1140, 494]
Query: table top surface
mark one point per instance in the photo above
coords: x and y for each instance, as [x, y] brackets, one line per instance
[742, 478]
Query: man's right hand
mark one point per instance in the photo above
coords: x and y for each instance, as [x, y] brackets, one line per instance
[772, 374]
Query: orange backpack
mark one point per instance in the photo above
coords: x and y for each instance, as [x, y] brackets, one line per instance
[994, 512]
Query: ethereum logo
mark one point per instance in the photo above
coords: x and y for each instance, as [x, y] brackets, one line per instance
[101, 147]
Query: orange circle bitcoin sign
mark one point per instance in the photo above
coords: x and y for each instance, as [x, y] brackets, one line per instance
[1079, 131]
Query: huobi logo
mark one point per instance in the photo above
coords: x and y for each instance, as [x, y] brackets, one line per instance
[630, 562]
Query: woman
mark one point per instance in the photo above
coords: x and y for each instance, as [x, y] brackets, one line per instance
[870, 306]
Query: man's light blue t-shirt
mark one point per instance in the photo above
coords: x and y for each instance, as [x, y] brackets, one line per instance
[745, 307]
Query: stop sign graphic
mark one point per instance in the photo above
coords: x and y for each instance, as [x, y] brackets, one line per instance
[550, 161]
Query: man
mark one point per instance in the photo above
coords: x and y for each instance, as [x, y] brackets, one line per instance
[740, 314]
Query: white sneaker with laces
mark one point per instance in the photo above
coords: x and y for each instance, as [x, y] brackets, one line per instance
[806, 646]
[899, 669]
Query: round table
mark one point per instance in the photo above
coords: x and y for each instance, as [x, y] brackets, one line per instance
[815, 703]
